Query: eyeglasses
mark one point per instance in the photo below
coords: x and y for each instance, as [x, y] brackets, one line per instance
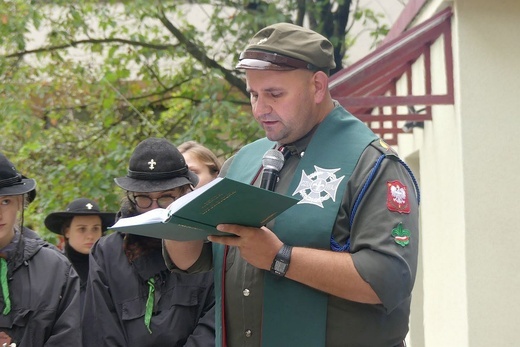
[144, 201]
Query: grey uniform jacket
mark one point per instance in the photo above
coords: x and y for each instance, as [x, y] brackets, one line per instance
[44, 294]
[117, 293]
[388, 267]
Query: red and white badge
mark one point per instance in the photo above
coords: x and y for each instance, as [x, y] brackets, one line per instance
[397, 197]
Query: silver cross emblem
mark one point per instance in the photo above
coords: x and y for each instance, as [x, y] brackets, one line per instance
[89, 206]
[152, 164]
[319, 186]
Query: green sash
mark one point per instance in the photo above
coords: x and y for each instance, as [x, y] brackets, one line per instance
[295, 314]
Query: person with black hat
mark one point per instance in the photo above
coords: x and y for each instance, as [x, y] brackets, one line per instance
[132, 299]
[81, 225]
[39, 294]
[338, 268]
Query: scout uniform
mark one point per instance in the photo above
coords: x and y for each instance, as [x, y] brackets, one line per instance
[356, 196]
[39, 300]
[131, 297]
[55, 222]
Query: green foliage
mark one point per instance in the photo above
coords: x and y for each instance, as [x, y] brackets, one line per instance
[372, 23]
[83, 82]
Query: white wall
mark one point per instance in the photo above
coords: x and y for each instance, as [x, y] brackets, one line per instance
[467, 287]
[488, 71]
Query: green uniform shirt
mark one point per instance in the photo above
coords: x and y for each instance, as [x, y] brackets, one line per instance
[387, 266]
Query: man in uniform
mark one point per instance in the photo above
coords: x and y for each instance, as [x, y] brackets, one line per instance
[338, 268]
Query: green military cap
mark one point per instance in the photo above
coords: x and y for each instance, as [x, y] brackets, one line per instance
[285, 46]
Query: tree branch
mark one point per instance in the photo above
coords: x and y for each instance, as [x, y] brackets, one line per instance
[198, 54]
[340, 19]
[89, 41]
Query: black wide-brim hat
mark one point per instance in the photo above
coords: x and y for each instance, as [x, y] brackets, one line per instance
[12, 182]
[79, 207]
[156, 165]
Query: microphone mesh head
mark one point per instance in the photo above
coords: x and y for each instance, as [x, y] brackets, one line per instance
[273, 159]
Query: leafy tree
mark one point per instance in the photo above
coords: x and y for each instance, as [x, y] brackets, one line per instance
[82, 82]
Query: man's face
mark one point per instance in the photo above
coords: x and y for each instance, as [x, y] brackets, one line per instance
[283, 103]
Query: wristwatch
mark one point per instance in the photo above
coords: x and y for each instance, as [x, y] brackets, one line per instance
[281, 261]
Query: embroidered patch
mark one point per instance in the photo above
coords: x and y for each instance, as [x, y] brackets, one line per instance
[397, 197]
[401, 236]
[318, 186]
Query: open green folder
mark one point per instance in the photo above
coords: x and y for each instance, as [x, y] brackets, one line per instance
[195, 215]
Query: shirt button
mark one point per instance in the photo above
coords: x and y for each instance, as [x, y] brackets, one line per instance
[248, 333]
[246, 292]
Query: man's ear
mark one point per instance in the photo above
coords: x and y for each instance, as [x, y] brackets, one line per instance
[321, 86]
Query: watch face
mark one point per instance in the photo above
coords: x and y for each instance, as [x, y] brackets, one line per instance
[280, 267]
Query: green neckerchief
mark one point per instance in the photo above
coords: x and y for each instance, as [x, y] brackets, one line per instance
[5, 287]
[295, 314]
[149, 304]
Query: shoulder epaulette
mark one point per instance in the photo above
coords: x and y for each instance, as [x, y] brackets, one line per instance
[384, 148]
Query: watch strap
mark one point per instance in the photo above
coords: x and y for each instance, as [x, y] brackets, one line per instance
[281, 261]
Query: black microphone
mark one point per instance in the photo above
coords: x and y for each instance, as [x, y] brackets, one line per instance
[272, 162]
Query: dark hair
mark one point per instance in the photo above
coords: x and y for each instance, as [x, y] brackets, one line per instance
[66, 224]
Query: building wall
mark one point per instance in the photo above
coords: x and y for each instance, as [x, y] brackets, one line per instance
[466, 290]
[488, 70]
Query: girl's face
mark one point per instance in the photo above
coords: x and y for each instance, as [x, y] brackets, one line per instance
[199, 169]
[9, 207]
[83, 232]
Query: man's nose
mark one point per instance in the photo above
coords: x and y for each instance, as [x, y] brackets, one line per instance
[261, 106]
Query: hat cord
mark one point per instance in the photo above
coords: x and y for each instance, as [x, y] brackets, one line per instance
[5, 287]
[149, 303]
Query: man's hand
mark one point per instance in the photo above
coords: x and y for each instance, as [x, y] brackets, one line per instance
[258, 246]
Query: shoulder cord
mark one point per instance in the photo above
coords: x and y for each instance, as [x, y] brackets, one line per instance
[5, 287]
[335, 246]
[149, 303]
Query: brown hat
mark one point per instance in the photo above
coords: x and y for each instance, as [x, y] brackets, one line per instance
[156, 165]
[286, 46]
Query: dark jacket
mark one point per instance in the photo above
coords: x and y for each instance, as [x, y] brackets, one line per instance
[31, 234]
[117, 293]
[80, 263]
[44, 295]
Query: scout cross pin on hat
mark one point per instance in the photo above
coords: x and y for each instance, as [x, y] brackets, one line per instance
[156, 165]
[79, 207]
